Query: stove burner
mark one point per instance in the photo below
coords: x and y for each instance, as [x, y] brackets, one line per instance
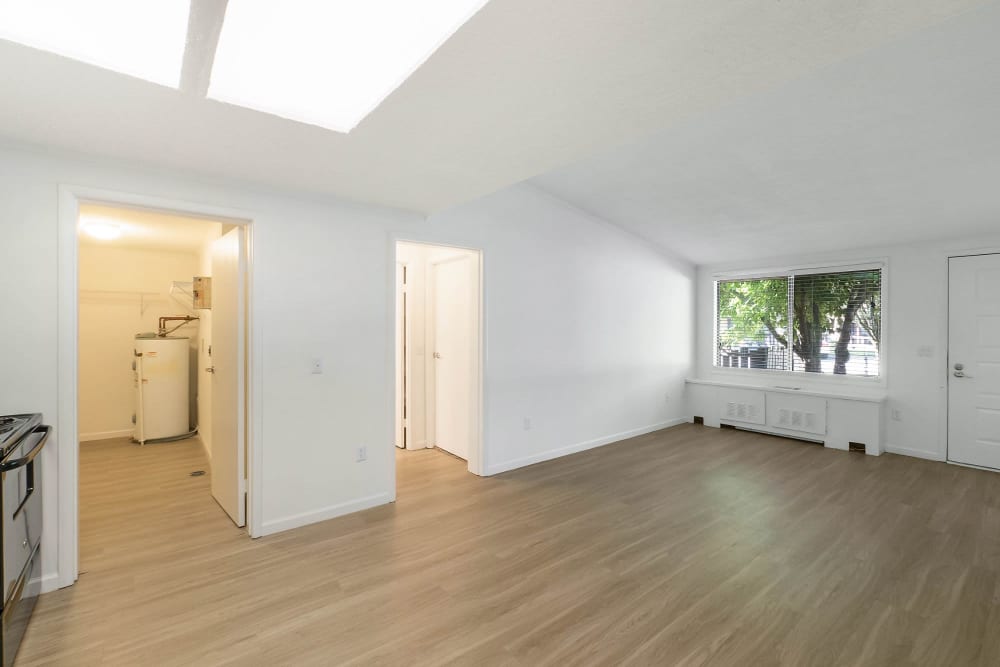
[7, 420]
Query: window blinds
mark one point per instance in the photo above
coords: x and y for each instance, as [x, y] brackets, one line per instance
[810, 322]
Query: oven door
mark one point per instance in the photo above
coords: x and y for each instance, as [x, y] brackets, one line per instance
[22, 505]
[19, 605]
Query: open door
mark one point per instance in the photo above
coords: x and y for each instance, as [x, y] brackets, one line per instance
[454, 317]
[228, 374]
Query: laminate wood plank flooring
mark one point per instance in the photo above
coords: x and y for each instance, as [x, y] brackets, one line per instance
[689, 546]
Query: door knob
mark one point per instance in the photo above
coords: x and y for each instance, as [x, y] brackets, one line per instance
[210, 369]
[437, 355]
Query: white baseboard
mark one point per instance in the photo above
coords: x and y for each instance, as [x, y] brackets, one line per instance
[917, 453]
[105, 435]
[324, 513]
[50, 582]
[550, 454]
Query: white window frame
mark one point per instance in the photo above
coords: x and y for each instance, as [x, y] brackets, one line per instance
[762, 374]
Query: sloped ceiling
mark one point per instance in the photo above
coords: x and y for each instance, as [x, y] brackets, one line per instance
[898, 144]
[523, 87]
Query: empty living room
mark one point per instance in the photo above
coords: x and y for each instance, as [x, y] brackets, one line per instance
[500, 332]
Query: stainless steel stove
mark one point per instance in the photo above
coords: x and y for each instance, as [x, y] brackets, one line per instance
[22, 438]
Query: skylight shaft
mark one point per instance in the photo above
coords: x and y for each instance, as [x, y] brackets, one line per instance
[139, 38]
[327, 63]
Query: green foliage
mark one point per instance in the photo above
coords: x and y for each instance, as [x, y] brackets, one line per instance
[821, 305]
[753, 308]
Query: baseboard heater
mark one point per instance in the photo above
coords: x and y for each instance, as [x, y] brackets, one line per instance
[786, 436]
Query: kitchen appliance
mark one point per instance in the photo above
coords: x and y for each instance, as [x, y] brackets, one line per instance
[162, 399]
[22, 438]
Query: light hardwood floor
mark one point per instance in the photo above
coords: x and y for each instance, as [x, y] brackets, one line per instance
[690, 546]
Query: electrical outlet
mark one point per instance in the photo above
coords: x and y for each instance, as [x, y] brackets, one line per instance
[317, 366]
[527, 423]
[897, 415]
[362, 454]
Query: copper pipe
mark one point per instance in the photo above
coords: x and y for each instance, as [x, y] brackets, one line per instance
[162, 331]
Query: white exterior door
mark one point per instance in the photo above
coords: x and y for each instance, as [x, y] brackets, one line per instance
[974, 360]
[453, 355]
[228, 376]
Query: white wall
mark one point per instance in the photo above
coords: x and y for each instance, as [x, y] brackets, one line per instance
[587, 330]
[915, 315]
[111, 279]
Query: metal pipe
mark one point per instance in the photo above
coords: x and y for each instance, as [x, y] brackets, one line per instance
[162, 330]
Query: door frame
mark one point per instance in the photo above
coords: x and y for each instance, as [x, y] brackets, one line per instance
[478, 450]
[67, 432]
[947, 352]
[402, 366]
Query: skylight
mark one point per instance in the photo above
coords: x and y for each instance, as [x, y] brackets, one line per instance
[327, 62]
[138, 38]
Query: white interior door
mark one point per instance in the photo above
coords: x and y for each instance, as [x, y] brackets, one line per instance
[228, 362]
[453, 352]
[401, 353]
[974, 360]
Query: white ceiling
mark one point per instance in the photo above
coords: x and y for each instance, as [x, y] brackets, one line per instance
[898, 144]
[523, 87]
[149, 230]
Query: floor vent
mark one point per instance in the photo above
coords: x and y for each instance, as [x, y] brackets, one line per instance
[699, 420]
[197, 473]
[856, 447]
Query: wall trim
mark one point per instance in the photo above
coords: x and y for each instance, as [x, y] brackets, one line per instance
[105, 435]
[49, 582]
[916, 453]
[324, 513]
[559, 452]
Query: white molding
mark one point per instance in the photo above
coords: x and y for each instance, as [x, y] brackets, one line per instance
[550, 454]
[325, 513]
[49, 582]
[916, 453]
[104, 435]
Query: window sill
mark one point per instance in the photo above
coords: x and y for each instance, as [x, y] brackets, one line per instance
[867, 394]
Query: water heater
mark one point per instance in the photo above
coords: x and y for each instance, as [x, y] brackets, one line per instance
[162, 371]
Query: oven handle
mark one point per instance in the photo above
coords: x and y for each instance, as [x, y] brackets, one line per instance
[14, 464]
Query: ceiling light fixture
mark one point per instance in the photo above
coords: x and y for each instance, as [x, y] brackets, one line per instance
[105, 231]
[141, 39]
[327, 62]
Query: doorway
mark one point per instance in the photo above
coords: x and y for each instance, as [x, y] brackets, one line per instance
[974, 360]
[438, 306]
[161, 381]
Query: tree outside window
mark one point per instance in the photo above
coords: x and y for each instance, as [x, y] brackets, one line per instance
[810, 322]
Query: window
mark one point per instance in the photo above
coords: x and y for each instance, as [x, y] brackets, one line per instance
[829, 323]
